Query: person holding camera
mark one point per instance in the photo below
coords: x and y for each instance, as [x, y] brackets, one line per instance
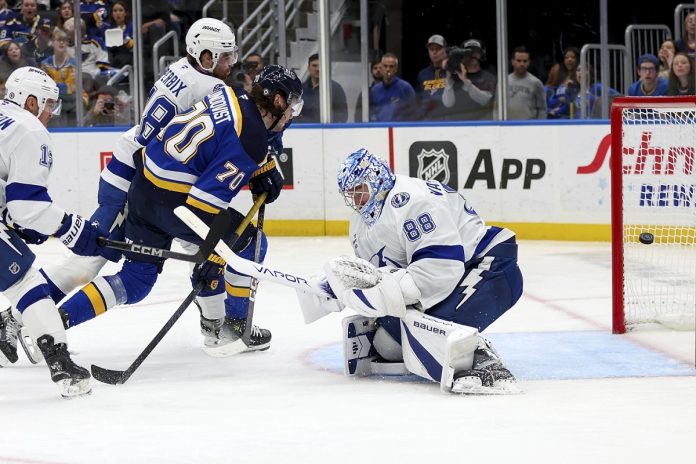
[106, 111]
[470, 90]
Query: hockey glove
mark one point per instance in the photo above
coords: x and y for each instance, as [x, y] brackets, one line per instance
[268, 179]
[79, 235]
[28, 235]
[209, 272]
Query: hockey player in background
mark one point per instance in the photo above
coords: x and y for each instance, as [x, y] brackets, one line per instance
[28, 216]
[201, 159]
[427, 277]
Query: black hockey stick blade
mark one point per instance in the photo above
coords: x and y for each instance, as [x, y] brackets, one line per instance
[108, 376]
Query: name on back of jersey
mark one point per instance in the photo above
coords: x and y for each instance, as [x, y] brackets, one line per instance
[173, 82]
[218, 107]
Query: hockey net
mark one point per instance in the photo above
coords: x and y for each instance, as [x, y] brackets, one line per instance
[653, 192]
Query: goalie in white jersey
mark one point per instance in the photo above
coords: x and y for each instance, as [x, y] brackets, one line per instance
[29, 216]
[428, 277]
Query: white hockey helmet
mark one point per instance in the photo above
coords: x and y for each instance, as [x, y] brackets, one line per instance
[212, 35]
[27, 81]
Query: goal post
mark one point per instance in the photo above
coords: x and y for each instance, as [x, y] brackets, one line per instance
[653, 212]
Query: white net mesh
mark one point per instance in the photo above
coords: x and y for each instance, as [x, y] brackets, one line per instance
[659, 198]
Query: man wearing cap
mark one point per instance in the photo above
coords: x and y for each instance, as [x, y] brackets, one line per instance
[433, 78]
[649, 84]
[470, 90]
[106, 110]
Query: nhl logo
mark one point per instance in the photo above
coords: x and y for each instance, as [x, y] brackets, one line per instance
[14, 268]
[432, 165]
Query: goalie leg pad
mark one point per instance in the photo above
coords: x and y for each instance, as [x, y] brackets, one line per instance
[434, 348]
[358, 351]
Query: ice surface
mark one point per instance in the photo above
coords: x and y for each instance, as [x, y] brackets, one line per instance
[590, 396]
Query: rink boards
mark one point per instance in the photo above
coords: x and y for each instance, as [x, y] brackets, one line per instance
[546, 180]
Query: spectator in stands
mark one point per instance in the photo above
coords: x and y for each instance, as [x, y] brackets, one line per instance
[526, 98]
[310, 95]
[687, 42]
[376, 72]
[24, 27]
[106, 111]
[94, 13]
[62, 69]
[156, 16]
[12, 59]
[564, 74]
[6, 14]
[561, 99]
[649, 83]
[40, 47]
[470, 90]
[120, 19]
[681, 76]
[95, 59]
[667, 50]
[253, 64]
[393, 99]
[65, 12]
[432, 79]
[2, 88]
[589, 85]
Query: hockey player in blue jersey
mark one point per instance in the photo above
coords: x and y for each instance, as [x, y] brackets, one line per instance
[201, 159]
[28, 215]
[427, 277]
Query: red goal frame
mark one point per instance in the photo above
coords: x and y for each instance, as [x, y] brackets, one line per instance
[616, 167]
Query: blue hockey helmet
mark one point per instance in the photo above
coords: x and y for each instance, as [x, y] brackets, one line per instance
[364, 180]
[275, 79]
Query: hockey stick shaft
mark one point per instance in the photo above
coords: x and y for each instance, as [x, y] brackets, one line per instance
[244, 266]
[246, 336]
[197, 257]
[219, 227]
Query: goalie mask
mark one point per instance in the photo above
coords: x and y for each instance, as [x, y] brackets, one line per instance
[365, 180]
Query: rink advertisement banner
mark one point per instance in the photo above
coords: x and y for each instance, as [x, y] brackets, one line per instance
[512, 174]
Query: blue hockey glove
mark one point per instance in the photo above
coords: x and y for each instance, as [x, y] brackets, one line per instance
[28, 235]
[79, 235]
[209, 272]
[267, 179]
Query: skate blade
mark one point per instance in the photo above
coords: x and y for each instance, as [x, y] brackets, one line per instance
[30, 349]
[471, 387]
[251, 349]
[71, 389]
[226, 350]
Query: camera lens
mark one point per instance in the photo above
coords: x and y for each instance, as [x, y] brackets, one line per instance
[109, 105]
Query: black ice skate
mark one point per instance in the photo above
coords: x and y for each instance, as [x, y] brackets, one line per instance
[219, 340]
[259, 340]
[9, 332]
[72, 380]
[488, 376]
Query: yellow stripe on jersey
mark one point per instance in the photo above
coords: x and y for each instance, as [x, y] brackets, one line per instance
[165, 184]
[96, 298]
[242, 292]
[201, 205]
[237, 114]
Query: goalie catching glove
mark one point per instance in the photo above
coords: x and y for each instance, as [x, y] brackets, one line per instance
[368, 290]
[267, 179]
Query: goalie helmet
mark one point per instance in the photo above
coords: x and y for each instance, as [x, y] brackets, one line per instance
[27, 81]
[363, 173]
[279, 79]
[212, 35]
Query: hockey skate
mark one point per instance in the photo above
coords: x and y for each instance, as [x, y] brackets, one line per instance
[9, 333]
[259, 339]
[219, 338]
[72, 380]
[488, 376]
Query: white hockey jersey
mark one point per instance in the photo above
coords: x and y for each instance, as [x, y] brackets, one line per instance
[178, 89]
[428, 229]
[25, 164]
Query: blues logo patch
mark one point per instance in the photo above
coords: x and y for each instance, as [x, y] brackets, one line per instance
[400, 199]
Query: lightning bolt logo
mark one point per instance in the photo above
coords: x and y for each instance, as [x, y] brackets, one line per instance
[118, 222]
[6, 238]
[468, 284]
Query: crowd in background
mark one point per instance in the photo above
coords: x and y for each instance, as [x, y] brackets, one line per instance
[458, 84]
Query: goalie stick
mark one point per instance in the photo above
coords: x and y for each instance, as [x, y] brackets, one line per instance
[217, 231]
[250, 268]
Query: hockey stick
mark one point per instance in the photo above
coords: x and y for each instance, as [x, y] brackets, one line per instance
[250, 268]
[198, 257]
[217, 230]
[246, 336]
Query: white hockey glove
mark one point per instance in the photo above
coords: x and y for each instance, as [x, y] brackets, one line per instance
[361, 286]
[314, 306]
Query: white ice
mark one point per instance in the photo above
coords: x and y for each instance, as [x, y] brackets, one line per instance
[285, 406]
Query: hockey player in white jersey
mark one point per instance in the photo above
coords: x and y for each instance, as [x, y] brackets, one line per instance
[211, 52]
[29, 216]
[428, 276]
